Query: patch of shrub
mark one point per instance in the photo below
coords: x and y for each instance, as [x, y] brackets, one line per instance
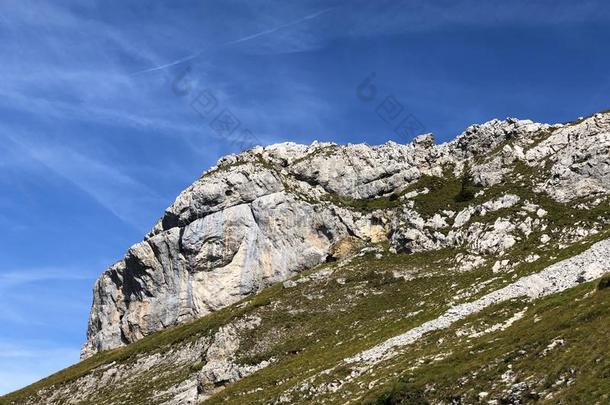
[467, 188]
[604, 283]
[401, 394]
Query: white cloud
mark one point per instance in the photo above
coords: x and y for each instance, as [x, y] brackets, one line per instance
[11, 278]
[22, 364]
[15, 306]
[114, 190]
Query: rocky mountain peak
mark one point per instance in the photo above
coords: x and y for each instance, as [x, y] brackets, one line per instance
[261, 216]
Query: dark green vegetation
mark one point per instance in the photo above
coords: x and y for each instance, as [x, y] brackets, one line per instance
[604, 283]
[468, 188]
[400, 393]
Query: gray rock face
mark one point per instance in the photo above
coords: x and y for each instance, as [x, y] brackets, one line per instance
[580, 159]
[186, 272]
[259, 217]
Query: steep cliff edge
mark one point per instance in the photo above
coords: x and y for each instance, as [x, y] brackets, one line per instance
[260, 217]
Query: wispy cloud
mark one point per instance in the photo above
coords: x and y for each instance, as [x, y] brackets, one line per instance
[50, 72]
[114, 190]
[44, 108]
[31, 299]
[22, 363]
[11, 278]
[240, 40]
[280, 27]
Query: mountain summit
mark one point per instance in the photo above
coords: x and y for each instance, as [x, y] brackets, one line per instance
[462, 272]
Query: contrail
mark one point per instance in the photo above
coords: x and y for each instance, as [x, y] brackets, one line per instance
[176, 62]
[237, 41]
[279, 27]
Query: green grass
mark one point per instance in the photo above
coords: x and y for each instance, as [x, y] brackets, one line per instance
[445, 193]
[399, 393]
[578, 317]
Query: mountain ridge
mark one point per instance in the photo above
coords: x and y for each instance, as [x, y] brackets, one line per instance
[326, 252]
[193, 260]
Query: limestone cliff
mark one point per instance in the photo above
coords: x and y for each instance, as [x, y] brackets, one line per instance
[260, 217]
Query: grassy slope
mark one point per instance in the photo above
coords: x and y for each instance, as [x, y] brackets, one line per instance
[576, 371]
[335, 337]
[310, 327]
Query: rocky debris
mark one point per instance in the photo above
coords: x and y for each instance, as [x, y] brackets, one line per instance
[501, 266]
[518, 394]
[467, 262]
[478, 140]
[220, 367]
[495, 170]
[578, 231]
[494, 239]
[413, 234]
[437, 222]
[505, 201]
[555, 343]
[409, 240]
[208, 364]
[478, 238]
[499, 326]
[261, 216]
[587, 266]
[463, 216]
[151, 367]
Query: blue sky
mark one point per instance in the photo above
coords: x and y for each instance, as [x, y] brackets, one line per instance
[109, 109]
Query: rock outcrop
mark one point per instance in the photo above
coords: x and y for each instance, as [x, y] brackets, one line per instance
[260, 217]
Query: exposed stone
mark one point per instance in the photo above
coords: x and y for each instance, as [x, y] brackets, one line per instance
[580, 159]
[345, 248]
[261, 216]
